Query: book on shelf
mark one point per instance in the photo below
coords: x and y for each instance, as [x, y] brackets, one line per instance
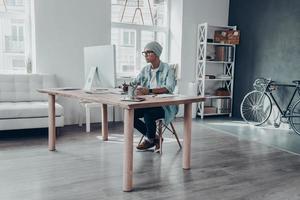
[224, 53]
[220, 53]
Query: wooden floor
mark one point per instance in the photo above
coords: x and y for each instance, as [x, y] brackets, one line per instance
[84, 167]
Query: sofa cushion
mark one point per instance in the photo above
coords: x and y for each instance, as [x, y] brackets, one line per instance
[23, 87]
[12, 110]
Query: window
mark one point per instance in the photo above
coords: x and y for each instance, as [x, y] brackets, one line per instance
[14, 35]
[128, 38]
[133, 26]
[15, 3]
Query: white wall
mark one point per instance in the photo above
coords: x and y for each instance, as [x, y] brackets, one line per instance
[185, 17]
[62, 29]
[175, 35]
[195, 12]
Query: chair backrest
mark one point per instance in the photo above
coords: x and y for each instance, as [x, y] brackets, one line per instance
[23, 87]
[175, 67]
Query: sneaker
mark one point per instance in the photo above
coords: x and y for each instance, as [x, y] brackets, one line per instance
[145, 145]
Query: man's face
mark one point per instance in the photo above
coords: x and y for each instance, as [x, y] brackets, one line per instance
[149, 55]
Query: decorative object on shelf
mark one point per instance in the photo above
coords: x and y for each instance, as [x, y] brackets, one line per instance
[208, 76]
[215, 68]
[210, 58]
[222, 92]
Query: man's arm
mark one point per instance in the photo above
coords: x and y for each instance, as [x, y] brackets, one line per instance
[145, 91]
[162, 90]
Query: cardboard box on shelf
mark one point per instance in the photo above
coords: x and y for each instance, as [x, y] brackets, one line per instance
[210, 110]
[220, 36]
[233, 37]
[227, 36]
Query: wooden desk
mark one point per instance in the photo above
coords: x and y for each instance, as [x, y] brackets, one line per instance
[114, 99]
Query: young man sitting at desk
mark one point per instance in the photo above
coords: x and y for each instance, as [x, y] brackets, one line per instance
[155, 78]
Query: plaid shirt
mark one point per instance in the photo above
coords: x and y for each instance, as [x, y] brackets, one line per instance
[165, 78]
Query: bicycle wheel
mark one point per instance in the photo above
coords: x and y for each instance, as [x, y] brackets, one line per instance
[294, 118]
[256, 108]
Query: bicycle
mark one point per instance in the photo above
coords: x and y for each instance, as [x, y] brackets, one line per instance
[256, 106]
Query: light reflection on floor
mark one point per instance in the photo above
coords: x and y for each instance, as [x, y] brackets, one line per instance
[282, 138]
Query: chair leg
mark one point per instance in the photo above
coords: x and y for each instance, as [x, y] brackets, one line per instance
[80, 120]
[141, 140]
[57, 131]
[175, 134]
[160, 137]
[88, 119]
[80, 115]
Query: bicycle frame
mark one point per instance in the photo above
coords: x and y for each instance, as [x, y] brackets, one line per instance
[283, 112]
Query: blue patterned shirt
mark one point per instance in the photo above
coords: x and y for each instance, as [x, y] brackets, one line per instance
[165, 78]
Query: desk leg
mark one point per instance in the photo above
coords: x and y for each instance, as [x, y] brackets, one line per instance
[51, 123]
[187, 136]
[128, 150]
[104, 122]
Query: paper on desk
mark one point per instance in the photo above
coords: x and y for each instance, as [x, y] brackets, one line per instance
[68, 88]
[116, 91]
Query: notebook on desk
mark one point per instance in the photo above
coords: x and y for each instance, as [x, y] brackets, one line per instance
[165, 95]
[105, 91]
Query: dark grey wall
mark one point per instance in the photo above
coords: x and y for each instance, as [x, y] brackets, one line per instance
[270, 43]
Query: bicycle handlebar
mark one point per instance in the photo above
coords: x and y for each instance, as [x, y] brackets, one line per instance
[263, 83]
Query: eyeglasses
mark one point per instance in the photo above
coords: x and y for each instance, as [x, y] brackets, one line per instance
[146, 53]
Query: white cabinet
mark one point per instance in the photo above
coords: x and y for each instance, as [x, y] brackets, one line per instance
[214, 71]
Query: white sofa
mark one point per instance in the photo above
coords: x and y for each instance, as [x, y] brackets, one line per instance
[21, 106]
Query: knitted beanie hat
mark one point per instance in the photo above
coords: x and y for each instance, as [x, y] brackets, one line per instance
[155, 47]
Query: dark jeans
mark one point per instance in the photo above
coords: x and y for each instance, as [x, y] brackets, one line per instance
[150, 115]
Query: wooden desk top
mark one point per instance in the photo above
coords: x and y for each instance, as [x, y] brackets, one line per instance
[115, 99]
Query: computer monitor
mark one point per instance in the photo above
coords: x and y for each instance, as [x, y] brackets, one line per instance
[100, 67]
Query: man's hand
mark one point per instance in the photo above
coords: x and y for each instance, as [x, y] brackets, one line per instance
[142, 91]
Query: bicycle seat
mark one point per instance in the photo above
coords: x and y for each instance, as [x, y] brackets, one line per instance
[297, 82]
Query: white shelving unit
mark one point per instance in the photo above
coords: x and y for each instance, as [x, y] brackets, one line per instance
[214, 70]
